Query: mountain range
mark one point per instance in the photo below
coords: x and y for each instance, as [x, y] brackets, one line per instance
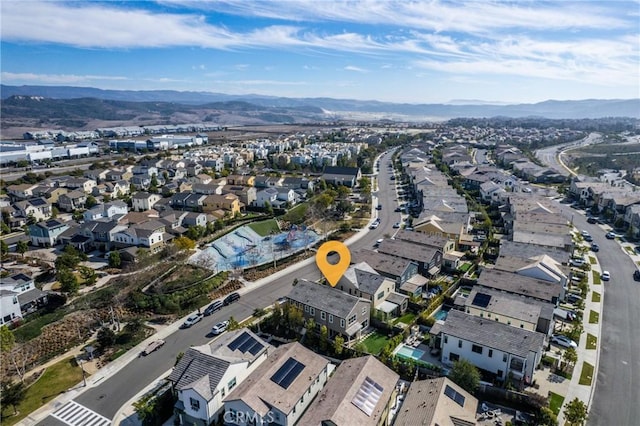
[85, 107]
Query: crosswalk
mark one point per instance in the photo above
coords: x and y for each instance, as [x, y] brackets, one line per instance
[74, 414]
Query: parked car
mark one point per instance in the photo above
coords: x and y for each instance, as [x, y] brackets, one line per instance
[576, 261]
[378, 242]
[584, 233]
[152, 347]
[605, 276]
[573, 298]
[220, 327]
[636, 275]
[191, 320]
[379, 207]
[397, 210]
[563, 341]
[396, 225]
[213, 307]
[592, 220]
[231, 298]
[595, 247]
[610, 235]
[588, 238]
[374, 225]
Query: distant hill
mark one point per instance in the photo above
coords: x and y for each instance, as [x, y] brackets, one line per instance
[80, 107]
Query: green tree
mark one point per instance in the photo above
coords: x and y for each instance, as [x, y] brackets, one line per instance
[88, 274]
[546, 417]
[90, 202]
[360, 348]
[184, 243]
[575, 412]
[233, 324]
[570, 357]
[5, 228]
[338, 344]
[114, 259]
[22, 247]
[12, 394]
[7, 339]
[106, 338]
[54, 212]
[4, 248]
[68, 281]
[267, 208]
[466, 375]
[153, 186]
[145, 408]
[324, 338]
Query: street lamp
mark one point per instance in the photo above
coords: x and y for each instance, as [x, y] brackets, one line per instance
[84, 378]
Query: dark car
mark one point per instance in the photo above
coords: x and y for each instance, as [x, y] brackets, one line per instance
[595, 247]
[588, 238]
[636, 275]
[592, 220]
[213, 307]
[231, 298]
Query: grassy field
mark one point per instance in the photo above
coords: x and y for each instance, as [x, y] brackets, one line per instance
[586, 375]
[375, 343]
[595, 297]
[55, 380]
[555, 402]
[265, 227]
[592, 341]
[594, 317]
[407, 318]
[596, 278]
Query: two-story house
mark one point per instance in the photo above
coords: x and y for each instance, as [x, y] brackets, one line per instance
[72, 200]
[428, 259]
[280, 389]
[361, 392]
[228, 204]
[46, 233]
[142, 201]
[246, 194]
[343, 314]
[106, 210]
[206, 374]
[18, 297]
[37, 208]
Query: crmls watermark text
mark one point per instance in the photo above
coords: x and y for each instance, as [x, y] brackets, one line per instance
[239, 417]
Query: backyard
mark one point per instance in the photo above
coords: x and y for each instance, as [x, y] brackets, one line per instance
[375, 342]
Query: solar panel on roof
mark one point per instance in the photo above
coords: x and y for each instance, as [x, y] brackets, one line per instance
[482, 300]
[257, 347]
[287, 373]
[453, 394]
[238, 341]
[246, 343]
[367, 396]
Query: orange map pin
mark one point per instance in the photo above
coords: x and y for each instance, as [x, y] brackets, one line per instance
[333, 273]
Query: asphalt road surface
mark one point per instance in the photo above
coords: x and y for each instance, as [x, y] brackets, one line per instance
[548, 155]
[108, 397]
[617, 392]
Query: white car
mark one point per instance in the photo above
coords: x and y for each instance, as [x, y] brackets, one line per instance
[220, 327]
[193, 319]
[605, 276]
[396, 225]
[563, 341]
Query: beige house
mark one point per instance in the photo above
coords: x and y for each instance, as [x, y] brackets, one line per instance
[229, 203]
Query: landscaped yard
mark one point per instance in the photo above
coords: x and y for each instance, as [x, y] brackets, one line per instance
[594, 317]
[265, 227]
[375, 343]
[55, 380]
[464, 267]
[595, 297]
[592, 260]
[586, 376]
[592, 341]
[407, 318]
[596, 278]
[555, 402]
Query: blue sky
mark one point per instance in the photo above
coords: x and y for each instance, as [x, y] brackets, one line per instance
[397, 51]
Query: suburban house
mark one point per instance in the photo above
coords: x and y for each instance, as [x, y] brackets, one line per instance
[106, 210]
[445, 245]
[246, 194]
[72, 200]
[149, 234]
[522, 285]
[21, 191]
[450, 225]
[428, 259]
[241, 180]
[18, 297]
[342, 313]
[101, 233]
[541, 267]
[363, 281]
[497, 349]
[346, 176]
[360, 392]
[46, 233]
[514, 310]
[37, 208]
[437, 402]
[280, 389]
[142, 201]
[206, 374]
[227, 204]
[395, 268]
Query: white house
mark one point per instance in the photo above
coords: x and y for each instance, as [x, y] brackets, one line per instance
[18, 297]
[267, 195]
[143, 201]
[206, 374]
[495, 347]
[107, 210]
[280, 389]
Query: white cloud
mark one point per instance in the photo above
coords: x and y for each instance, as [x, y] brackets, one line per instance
[354, 68]
[26, 78]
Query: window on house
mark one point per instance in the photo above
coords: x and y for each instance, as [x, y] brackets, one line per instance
[364, 310]
[323, 315]
[380, 295]
[222, 393]
[352, 319]
[306, 308]
[342, 323]
[446, 339]
[490, 353]
[330, 319]
[231, 384]
[476, 348]
[195, 404]
[504, 357]
[312, 311]
[459, 343]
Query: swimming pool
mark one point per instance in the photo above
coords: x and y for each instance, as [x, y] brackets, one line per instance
[441, 314]
[409, 352]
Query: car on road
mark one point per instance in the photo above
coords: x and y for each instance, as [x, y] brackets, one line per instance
[588, 238]
[592, 220]
[191, 320]
[396, 225]
[152, 347]
[213, 307]
[563, 341]
[595, 247]
[220, 327]
[576, 261]
[378, 242]
[605, 276]
[584, 233]
[379, 207]
[636, 275]
[231, 298]
[610, 235]
[397, 210]
[374, 225]
[282, 300]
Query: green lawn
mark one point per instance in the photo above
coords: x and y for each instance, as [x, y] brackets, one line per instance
[596, 278]
[265, 227]
[464, 267]
[594, 317]
[592, 341]
[555, 402]
[586, 375]
[629, 249]
[592, 260]
[595, 297]
[407, 318]
[55, 380]
[375, 343]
